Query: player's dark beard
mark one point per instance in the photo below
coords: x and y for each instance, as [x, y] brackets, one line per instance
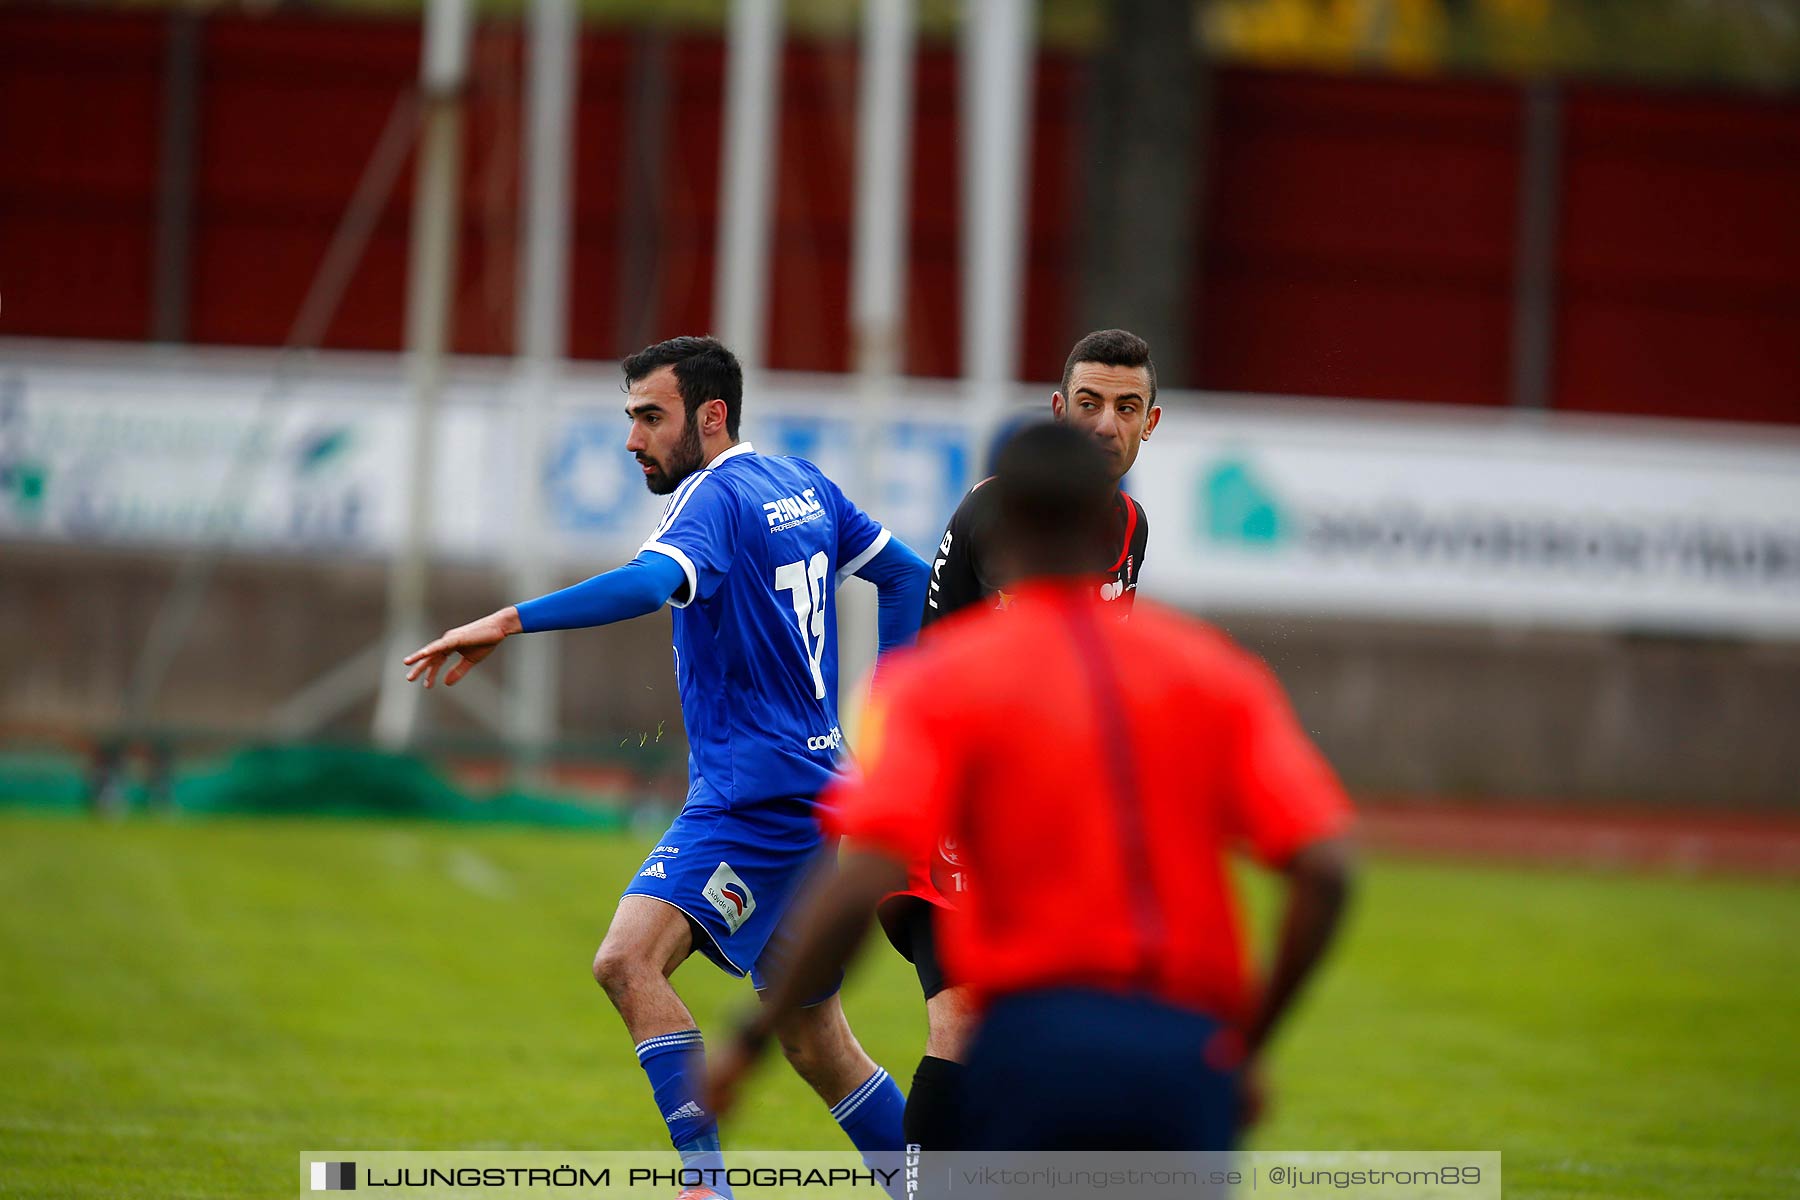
[684, 460]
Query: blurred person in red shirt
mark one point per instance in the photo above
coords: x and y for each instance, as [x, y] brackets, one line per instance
[1108, 392]
[1100, 940]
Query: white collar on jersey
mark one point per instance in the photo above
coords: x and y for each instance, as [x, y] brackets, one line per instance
[733, 452]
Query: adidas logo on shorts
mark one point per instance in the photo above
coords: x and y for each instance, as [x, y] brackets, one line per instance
[654, 871]
[690, 1109]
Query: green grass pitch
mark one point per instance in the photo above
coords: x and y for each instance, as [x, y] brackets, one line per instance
[187, 1005]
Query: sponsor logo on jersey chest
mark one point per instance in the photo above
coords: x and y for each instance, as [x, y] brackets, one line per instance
[789, 511]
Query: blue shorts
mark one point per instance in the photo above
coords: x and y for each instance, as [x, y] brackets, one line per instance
[735, 872]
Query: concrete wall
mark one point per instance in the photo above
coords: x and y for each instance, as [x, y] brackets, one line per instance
[1536, 715]
[74, 624]
[1402, 710]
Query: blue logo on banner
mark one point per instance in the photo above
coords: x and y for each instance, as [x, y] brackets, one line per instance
[592, 486]
[589, 480]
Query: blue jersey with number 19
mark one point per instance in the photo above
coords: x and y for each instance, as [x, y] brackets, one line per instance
[764, 542]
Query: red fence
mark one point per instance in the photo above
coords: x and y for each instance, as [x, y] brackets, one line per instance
[79, 103]
[1358, 234]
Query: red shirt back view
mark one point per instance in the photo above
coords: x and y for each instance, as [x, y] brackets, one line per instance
[1093, 774]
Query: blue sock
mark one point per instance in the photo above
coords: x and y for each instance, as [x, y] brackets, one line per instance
[676, 1065]
[872, 1116]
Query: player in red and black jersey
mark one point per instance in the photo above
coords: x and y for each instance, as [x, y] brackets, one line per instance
[1108, 392]
[960, 578]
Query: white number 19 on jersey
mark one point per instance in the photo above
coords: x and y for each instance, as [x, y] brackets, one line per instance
[807, 582]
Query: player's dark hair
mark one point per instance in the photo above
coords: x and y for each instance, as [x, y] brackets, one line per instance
[1111, 348]
[1053, 492]
[704, 370]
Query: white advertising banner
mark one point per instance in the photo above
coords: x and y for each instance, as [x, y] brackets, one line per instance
[164, 450]
[149, 455]
[1371, 510]
[1307, 507]
[596, 505]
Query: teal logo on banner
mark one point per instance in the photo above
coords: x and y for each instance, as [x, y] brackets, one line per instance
[1238, 508]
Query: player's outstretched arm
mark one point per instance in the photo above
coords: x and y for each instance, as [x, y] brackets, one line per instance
[640, 586]
[472, 642]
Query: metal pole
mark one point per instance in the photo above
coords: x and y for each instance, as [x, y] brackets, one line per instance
[752, 97]
[542, 341]
[878, 275]
[638, 284]
[443, 73]
[542, 325]
[999, 44]
[175, 178]
[883, 181]
[1138, 170]
[179, 610]
[1534, 279]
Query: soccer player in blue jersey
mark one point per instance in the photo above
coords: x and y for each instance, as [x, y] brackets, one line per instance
[749, 552]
